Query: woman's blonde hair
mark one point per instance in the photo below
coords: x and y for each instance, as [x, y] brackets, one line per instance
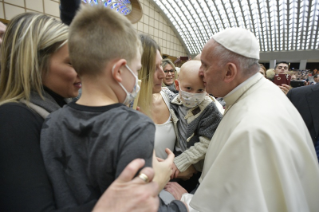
[146, 73]
[28, 43]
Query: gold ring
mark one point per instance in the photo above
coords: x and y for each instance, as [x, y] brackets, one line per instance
[144, 177]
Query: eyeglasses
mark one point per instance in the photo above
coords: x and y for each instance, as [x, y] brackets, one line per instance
[283, 67]
[171, 71]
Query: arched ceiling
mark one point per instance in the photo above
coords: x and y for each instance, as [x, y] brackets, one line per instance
[279, 25]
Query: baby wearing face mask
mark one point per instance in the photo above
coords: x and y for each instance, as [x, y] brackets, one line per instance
[196, 118]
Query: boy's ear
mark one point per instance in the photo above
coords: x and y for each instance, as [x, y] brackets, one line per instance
[116, 69]
[176, 85]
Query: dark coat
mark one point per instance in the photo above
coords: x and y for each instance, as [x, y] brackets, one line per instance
[306, 100]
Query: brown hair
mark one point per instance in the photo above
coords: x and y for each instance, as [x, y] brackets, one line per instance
[99, 35]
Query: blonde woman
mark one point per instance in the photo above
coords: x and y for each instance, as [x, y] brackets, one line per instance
[152, 101]
[36, 77]
[170, 75]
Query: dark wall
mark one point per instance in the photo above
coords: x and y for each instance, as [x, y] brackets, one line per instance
[312, 66]
[294, 66]
[266, 65]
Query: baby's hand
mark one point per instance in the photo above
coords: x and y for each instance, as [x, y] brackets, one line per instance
[175, 171]
[188, 173]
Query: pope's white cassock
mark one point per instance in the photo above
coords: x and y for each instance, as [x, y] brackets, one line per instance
[261, 157]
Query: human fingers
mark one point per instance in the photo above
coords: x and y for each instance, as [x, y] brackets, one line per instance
[174, 168]
[130, 170]
[176, 173]
[159, 159]
[172, 190]
[170, 155]
[169, 184]
[146, 175]
[172, 176]
[176, 190]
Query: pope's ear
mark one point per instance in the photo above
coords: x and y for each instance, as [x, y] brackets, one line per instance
[116, 69]
[231, 72]
[176, 85]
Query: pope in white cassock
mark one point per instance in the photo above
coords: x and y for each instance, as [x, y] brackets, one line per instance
[261, 157]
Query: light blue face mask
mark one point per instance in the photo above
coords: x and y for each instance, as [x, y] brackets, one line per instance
[130, 96]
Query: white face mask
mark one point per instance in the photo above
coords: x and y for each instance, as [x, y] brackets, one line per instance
[130, 96]
[191, 100]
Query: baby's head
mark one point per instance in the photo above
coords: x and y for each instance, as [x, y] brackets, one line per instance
[190, 85]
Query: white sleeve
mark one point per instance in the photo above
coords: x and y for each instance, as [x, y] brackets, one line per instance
[186, 198]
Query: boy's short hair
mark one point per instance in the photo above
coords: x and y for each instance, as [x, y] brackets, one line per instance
[98, 35]
[284, 62]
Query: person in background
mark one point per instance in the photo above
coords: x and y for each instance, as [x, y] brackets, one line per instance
[282, 67]
[262, 70]
[293, 77]
[197, 57]
[316, 79]
[170, 75]
[261, 157]
[270, 73]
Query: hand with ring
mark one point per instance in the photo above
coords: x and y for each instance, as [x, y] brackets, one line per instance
[144, 177]
[127, 193]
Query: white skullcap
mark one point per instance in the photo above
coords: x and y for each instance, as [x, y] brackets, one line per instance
[240, 41]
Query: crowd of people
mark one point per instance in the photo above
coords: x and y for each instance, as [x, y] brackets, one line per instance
[215, 136]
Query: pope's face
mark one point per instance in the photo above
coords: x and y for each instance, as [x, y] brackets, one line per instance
[210, 71]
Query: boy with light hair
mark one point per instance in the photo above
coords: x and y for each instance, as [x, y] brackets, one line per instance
[88, 143]
[195, 117]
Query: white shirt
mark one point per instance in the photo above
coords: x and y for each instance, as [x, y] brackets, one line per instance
[165, 136]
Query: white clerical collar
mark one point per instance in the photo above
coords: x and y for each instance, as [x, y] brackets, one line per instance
[240, 85]
[233, 95]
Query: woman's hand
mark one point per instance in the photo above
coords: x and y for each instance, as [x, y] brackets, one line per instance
[163, 169]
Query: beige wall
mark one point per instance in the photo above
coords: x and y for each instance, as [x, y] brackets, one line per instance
[10, 8]
[152, 22]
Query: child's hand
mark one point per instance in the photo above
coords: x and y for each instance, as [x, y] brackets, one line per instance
[175, 171]
[188, 173]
